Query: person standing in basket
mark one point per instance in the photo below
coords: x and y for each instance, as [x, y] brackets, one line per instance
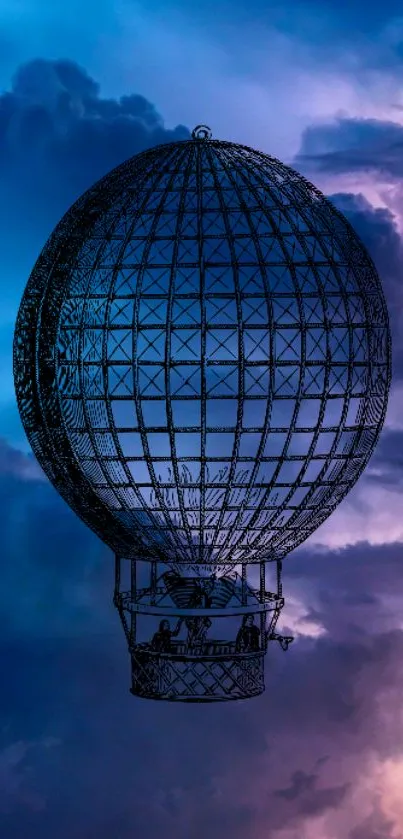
[162, 640]
[197, 630]
[248, 638]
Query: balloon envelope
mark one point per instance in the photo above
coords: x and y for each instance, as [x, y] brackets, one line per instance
[202, 356]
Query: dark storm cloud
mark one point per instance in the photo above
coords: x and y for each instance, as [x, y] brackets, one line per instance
[52, 589]
[353, 145]
[358, 582]
[367, 144]
[122, 767]
[386, 466]
[82, 757]
[376, 227]
[58, 135]
[300, 783]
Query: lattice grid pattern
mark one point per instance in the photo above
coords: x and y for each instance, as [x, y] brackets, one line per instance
[202, 356]
[189, 679]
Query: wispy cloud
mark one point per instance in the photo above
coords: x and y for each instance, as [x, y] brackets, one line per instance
[19, 787]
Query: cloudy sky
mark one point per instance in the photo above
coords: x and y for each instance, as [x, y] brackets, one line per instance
[83, 86]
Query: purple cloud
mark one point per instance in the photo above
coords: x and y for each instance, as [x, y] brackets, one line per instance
[290, 757]
[284, 762]
[353, 145]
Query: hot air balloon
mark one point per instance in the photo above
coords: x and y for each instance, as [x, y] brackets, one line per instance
[202, 366]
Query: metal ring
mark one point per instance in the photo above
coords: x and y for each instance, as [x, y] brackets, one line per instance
[202, 132]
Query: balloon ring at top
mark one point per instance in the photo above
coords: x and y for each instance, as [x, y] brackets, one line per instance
[202, 132]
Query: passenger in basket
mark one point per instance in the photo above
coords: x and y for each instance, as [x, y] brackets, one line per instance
[248, 638]
[197, 630]
[161, 642]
